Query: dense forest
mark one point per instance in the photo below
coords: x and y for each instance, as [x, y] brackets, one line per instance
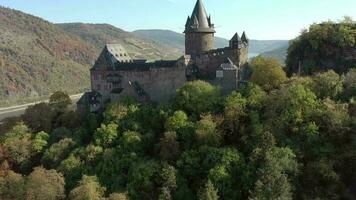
[277, 137]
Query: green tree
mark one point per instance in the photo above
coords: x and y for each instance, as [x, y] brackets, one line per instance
[234, 112]
[17, 145]
[178, 120]
[115, 111]
[197, 97]
[327, 84]
[207, 133]
[58, 152]
[106, 134]
[89, 189]
[208, 192]
[60, 100]
[132, 142]
[169, 150]
[273, 167]
[45, 185]
[40, 141]
[267, 73]
[144, 180]
[39, 117]
[350, 85]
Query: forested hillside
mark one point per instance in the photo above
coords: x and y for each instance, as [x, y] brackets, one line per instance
[38, 58]
[324, 46]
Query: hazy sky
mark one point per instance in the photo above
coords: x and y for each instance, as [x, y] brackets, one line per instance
[261, 19]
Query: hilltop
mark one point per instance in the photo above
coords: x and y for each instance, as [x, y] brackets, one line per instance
[100, 34]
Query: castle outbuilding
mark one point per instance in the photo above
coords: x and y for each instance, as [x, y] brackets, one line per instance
[115, 74]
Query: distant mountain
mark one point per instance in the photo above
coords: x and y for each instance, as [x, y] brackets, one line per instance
[280, 53]
[172, 38]
[100, 34]
[37, 58]
[176, 40]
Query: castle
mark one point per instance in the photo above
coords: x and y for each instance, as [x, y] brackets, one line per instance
[115, 74]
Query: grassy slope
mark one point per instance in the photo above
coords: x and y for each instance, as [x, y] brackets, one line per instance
[37, 58]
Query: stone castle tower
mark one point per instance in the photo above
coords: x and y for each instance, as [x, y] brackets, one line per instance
[199, 31]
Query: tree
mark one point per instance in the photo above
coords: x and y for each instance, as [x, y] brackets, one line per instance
[59, 134]
[40, 141]
[45, 185]
[178, 120]
[234, 111]
[12, 186]
[350, 85]
[114, 112]
[58, 152]
[273, 167]
[208, 192]
[132, 142]
[169, 147]
[206, 132]
[267, 73]
[143, 180]
[197, 97]
[60, 100]
[89, 188]
[327, 84]
[39, 117]
[106, 134]
[17, 145]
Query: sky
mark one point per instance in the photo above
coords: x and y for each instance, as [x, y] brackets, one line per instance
[261, 19]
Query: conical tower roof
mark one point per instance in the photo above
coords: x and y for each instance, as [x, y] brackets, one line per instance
[236, 37]
[244, 38]
[203, 21]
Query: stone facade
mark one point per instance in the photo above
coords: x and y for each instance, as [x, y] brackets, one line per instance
[115, 74]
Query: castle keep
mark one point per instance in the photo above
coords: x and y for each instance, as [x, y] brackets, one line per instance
[115, 74]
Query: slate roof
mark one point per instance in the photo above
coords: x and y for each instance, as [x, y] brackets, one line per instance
[199, 20]
[236, 37]
[228, 65]
[118, 52]
[244, 37]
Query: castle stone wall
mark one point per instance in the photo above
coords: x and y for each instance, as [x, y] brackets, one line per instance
[159, 84]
